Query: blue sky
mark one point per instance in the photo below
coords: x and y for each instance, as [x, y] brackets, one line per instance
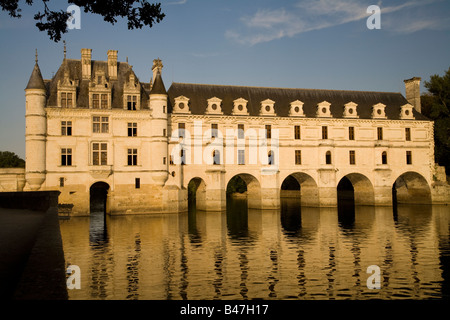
[323, 44]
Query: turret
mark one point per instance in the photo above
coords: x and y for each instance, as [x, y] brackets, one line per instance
[158, 105]
[36, 129]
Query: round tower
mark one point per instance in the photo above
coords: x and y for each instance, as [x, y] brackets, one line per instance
[158, 105]
[35, 129]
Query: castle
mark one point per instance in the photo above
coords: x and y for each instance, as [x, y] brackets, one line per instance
[95, 128]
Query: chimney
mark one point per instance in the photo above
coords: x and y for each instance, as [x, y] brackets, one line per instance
[412, 90]
[86, 56]
[112, 64]
[157, 67]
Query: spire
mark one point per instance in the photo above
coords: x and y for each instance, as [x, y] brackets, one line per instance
[158, 85]
[65, 49]
[36, 81]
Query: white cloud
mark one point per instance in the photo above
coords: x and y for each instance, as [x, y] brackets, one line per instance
[176, 2]
[271, 24]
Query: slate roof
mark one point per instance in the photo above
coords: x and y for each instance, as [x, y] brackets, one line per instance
[36, 81]
[74, 69]
[200, 93]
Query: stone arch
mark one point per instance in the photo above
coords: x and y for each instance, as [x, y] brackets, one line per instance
[411, 187]
[98, 197]
[253, 191]
[197, 193]
[358, 187]
[302, 186]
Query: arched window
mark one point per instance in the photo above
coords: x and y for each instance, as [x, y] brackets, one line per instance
[328, 157]
[216, 157]
[384, 157]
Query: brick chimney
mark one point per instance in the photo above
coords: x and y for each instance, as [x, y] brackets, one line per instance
[412, 90]
[112, 64]
[86, 56]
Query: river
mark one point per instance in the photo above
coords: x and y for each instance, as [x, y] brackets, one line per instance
[291, 253]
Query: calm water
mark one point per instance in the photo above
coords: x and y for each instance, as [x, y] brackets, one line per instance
[292, 253]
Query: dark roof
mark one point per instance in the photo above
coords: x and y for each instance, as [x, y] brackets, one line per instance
[198, 95]
[36, 81]
[158, 85]
[74, 69]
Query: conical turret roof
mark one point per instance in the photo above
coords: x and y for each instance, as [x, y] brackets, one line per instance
[36, 81]
[158, 85]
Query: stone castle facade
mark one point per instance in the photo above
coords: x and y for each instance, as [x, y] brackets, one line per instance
[95, 127]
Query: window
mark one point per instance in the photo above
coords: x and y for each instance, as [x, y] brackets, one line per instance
[324, 132]
[171, 160]
[132, 157]
[100, 124]
[99, 101]
[132, 129]
[104, 101]
[408, 157]
[384, 157]
[181, 128]
[61, 182]
[216, 157]
[268, 131]
[137, 183]
[66, 100]
[214, 130]
[351, 133]
[408, 134]
[352, 157]
[328, 157]
[240, 131]
[66, 128]
[99, 154]
[183, 156]
[298, 157]
[271, 158]
[297, 134]
[164, 160]
[164, 132]
[131, 102]
[95, 101]
[241, 156]
[66, 157]
[380, 133]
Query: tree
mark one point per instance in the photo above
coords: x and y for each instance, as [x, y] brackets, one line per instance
[138, 12]
[436, 106]
[10, 160]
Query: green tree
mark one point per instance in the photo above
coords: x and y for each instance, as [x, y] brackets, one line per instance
[10, 160]
[138, 12]
[436, 106]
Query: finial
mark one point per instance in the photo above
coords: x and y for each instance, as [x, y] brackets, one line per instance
[127, 59]
[36, 58]
[65, 50]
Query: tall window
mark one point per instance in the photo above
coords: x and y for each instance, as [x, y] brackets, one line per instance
[132, 157]
[95, 101]
[328, 157]
[240, 131]
[241, 156]
[380, 133]
[66, 100]
[352, 157]
[298, 157]
[132, 129]
[61, 181]
[324, 132]
[100, 124]
[271, 158]
[351, 133]
[297, 134]
[216, 157]
[408, 157]
[384, 157]
[66, 157]
[181, 128]
[268, 131]
[104, 101]
[214, 130]
[66, 128]
[131, 102]
[99, 154]
[408, 134]
[183, 156]
[137, 183]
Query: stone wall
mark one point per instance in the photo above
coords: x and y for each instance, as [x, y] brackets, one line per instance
[12, 179]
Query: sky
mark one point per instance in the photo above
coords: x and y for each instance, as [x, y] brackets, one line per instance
[320, 44]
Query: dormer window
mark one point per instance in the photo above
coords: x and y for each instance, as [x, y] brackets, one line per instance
[66, 99]
[181, 105]
[131, 102]
[214, 106]
[99, 92]
[99, 101]
[267, 108]
[131, 94]
[406, 111]
[240, 107]
[350, 110]
[323, 109]
[67, 90]
[296, 109]
[378, 111]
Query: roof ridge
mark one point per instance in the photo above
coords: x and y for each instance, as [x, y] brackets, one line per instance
[281, 88]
